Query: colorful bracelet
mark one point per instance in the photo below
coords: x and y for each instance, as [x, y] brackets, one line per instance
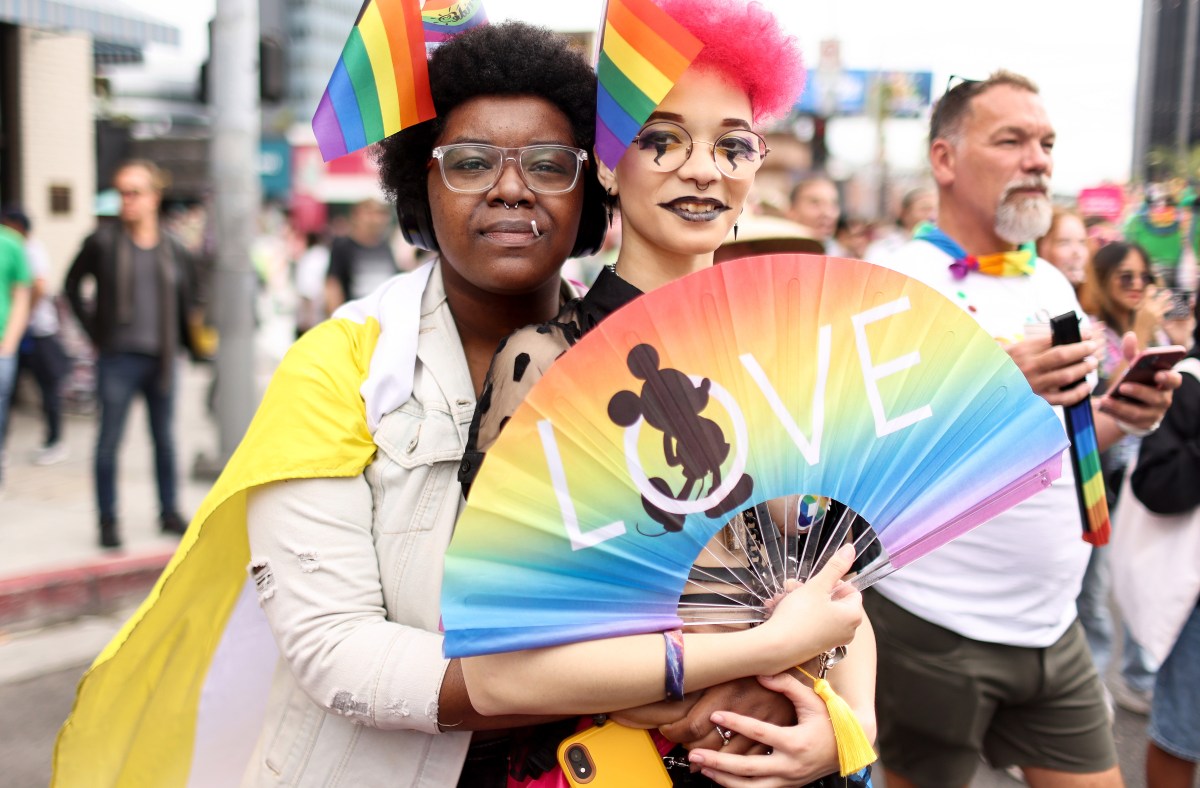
[674, 676]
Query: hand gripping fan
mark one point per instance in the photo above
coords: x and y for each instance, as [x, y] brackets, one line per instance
[790, 377]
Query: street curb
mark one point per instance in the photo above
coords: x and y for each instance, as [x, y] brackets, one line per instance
[64, 593]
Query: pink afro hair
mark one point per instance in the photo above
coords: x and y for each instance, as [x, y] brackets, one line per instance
[744, 42]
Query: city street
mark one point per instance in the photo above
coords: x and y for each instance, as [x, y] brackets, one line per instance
[209, 179]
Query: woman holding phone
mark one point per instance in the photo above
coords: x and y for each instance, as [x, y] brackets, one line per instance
[362, 693]
[1121, 287]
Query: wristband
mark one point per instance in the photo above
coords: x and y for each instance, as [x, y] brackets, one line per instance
[674, 674]
[1134, 432]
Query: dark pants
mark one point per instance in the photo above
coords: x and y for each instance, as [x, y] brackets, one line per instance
[48, 363]
[121, 376]
[8, 380]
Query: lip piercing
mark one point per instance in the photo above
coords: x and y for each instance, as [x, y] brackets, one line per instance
[533, 224]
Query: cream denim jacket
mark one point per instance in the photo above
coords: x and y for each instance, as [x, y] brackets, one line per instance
[353, 593]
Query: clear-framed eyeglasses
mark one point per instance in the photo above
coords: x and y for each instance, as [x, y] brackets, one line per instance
[737, 153]
[475, 167]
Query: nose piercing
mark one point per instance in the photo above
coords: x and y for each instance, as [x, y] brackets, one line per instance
[533, 224]
[507, 207]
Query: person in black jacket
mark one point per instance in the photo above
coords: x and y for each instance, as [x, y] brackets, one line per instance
[1165, 481]
[138, 320]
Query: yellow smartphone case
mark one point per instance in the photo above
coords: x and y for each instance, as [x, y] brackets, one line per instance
[612, 756]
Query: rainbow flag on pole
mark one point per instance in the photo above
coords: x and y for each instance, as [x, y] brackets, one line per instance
[1089, 478]
[380, 83]
[443, 19]
[643, 52]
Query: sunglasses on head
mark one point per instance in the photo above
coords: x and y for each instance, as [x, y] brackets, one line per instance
[1127, 278]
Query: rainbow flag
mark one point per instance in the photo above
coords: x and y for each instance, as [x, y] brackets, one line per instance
[1089, 480]
[643, 52]
[380, 83]
[1085, 448]
[445, 18]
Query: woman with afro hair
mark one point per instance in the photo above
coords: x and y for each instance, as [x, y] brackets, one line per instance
[680, 187]
[349, 569]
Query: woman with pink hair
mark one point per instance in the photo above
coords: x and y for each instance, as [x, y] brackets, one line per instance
[680, 187]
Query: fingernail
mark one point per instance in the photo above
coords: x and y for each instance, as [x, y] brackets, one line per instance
[695, 757]
[717, 718]
[846, 552]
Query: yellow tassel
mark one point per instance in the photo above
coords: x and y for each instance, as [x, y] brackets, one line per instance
[854, 749]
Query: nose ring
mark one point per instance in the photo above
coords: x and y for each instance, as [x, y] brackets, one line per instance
[507, 207]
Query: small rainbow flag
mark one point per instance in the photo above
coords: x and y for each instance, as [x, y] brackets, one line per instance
[643, 52]
[1085, 449]
[381, 82]
[443, 19]
[1089, 480]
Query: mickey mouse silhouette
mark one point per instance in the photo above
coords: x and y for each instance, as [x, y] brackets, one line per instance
[671, 403]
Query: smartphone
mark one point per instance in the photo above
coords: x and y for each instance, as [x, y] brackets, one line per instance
[1143, 368]
[612, 756]
[1181, 306]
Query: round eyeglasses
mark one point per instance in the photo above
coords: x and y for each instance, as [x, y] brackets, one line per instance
[737, 153]
[474, 167]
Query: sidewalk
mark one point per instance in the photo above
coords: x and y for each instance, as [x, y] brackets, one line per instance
[51, 566]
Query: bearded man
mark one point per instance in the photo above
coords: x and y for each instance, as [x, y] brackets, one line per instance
[980, 649]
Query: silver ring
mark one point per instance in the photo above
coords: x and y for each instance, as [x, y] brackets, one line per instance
[507, 207]
[725, 735]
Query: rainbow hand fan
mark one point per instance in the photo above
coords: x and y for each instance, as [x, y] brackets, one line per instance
[759, 379]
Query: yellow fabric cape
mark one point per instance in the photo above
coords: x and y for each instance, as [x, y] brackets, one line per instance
[135, 715]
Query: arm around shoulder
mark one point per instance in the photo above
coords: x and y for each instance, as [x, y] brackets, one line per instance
[619, 673]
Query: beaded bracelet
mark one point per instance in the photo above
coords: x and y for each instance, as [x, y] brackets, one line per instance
[674, 675]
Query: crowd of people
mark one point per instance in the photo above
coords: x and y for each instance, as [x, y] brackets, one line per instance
[994, 647]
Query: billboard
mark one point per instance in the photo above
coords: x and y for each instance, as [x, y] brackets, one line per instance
[850, 91]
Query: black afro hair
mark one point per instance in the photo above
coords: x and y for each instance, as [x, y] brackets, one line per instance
[511, 58]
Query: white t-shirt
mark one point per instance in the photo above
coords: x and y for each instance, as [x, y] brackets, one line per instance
[43, 320]
[311, 269]
[1014, 579]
